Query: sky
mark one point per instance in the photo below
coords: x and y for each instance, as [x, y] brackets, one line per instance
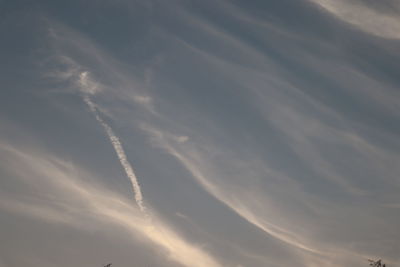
[213, 133]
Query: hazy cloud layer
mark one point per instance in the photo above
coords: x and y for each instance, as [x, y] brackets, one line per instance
[261, 134]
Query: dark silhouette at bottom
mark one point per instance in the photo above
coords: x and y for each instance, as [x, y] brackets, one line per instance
[377, 263]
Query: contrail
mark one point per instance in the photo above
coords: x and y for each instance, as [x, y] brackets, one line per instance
[120, 153]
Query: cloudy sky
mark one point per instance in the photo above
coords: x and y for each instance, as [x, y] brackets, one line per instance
[213, 133]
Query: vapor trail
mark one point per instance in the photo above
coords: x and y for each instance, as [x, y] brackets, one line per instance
[120, 153]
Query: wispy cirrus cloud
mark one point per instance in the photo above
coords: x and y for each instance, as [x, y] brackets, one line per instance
[74, 200]
[366, 18]
[288, 108]
[284, 119]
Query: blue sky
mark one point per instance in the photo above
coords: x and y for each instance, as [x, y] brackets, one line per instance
[199, 133]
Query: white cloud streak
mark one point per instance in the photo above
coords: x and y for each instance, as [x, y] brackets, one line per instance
[88, 87]
[363, 17]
